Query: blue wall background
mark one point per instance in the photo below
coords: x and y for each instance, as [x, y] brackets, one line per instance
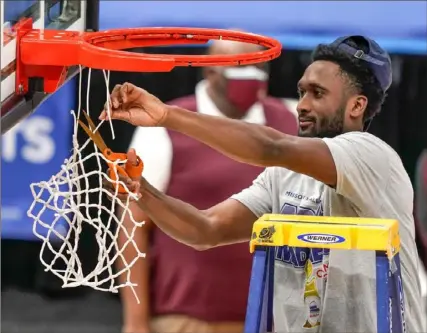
[399, 26]
[33, 151]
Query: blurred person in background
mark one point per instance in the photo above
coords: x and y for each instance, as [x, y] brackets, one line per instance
[332, 168]
[182, 289]
[421, 205]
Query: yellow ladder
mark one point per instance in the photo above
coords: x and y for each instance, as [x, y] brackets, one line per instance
[364, 234]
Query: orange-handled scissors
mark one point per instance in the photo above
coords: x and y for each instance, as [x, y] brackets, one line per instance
[130, 170]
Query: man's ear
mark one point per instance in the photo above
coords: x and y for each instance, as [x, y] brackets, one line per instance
[358, 106]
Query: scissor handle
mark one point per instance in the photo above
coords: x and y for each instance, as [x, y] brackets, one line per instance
[134, 171]
[130, 170]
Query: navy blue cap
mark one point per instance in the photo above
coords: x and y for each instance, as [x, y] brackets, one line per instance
[377, 59]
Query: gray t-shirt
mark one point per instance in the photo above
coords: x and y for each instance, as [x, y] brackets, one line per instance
[334, 291]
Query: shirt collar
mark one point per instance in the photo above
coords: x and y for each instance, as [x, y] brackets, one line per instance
[205, 105]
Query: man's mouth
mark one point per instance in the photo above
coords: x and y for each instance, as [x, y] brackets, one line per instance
[305, 122]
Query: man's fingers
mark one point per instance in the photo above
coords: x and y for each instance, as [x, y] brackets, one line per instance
[125, 90]
[121, 92]
[132, 185]
[110, 187]
[103, 115]
[121, 197]
[131, 157]
[115, 114]
[112, 103]
[114, 106]
[116, 96]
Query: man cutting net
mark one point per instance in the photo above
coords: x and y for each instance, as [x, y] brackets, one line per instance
[333, 168]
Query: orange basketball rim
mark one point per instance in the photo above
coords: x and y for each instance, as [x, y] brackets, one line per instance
[47, 54]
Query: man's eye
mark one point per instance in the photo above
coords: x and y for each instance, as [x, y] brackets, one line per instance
[318, 94]
[301, 93]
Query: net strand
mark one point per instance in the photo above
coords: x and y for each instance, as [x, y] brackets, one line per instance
[74, 197]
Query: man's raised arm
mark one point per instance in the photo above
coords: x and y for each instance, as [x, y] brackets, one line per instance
[256, 144]
[248, 143]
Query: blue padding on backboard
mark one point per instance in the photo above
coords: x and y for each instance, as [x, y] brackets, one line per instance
[400, 26]
[13, 10]
[33, 151]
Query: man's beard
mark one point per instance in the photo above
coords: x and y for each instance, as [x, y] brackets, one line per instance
[328, 127]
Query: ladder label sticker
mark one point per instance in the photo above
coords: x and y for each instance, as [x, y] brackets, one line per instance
[265, 235]
[321, 238]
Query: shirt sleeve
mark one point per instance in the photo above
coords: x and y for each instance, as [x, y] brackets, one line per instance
[258, 197]
[154, 147]
[363, 167]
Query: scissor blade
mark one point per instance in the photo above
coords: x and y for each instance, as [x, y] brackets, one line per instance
[100, 141]
[90, 122]
[94, 137]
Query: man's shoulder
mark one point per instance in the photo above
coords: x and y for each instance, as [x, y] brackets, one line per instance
[359, 136]
[374, 153]
[362, 135]
[362, 140]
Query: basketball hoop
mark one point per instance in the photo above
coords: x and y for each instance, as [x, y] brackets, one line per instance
[47, 55]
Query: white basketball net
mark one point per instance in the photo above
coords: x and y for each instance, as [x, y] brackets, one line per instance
[68, 197]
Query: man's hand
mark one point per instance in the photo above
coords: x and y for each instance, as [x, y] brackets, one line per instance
[135, 106]
[133, 184]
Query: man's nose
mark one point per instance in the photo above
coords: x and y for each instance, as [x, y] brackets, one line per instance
[304, 105]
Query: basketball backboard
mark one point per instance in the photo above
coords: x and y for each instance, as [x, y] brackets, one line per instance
[72, 15]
